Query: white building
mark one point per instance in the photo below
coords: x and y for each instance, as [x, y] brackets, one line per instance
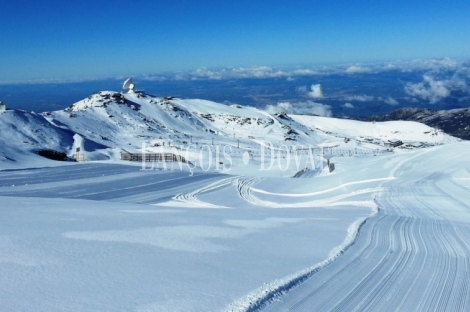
[2, 107]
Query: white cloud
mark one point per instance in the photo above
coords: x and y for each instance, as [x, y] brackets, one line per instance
[304, 72]
[208, 74]
[357, 70]
[315, 92]
[369, 98]
[390, 67]
[348, 105]
[446, 67]
[255, 72]
[435, 66]
[411, 99]
[388, 100]
[307, 107]
[434, 90]
[359, 98]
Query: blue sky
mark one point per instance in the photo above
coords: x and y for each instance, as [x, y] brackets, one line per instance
[93, 39]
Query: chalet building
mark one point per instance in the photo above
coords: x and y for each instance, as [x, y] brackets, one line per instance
[393, 143]
[412, 145]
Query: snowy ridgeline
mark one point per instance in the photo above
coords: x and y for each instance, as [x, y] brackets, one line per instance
[105, 124]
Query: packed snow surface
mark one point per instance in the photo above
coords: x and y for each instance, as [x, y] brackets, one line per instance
[363, 226]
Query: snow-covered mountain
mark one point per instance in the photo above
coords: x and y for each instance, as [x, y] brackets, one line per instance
[107, 123]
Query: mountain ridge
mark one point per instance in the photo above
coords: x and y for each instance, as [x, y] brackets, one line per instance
[107, 123]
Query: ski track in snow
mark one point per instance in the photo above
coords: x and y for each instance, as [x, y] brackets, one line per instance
[190, 198]
[321, 192]
[99, 182]
[413, 255]
[246, 192]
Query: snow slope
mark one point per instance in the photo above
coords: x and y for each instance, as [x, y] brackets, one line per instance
[412, 255]
[25, 132]
[104, 236]
[386, 228]
[388, 130]
[90, 237]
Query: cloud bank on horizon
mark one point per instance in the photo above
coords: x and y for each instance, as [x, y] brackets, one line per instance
[440, 79]
[426, 81]
[433, 66]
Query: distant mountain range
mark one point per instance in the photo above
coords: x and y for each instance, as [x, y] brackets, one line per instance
[455, 122]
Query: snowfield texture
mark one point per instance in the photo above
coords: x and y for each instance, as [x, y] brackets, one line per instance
[412, 255]
[385, 229]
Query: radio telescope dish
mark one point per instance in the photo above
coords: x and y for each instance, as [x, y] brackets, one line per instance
[128, 85]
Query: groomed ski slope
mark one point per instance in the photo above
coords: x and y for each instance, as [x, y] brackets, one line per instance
[413, 255]
[103, 236]
[388, 229]
[112, 237]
